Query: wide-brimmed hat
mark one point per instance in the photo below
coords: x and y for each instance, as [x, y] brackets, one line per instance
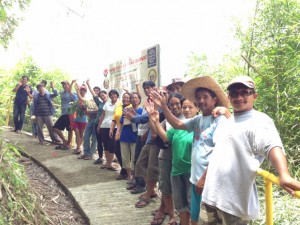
[175, 81]
[208, 82]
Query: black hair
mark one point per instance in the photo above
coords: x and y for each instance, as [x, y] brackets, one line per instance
[96, 87]
[175, 95]
[24, 76]
[211, 93]
[136, 93]
[113, 91]
[148, 83]
[102, 91]
[44, 82]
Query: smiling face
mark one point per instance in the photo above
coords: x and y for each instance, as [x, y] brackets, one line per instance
[242, 98]
[189, 109]
[175, 106]
[205, 101]
[125, 99]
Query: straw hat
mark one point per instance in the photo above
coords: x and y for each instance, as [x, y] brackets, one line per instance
[208, 82]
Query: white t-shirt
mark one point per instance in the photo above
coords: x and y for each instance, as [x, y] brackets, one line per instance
[205, 131]
[109, 109]
[230, 182]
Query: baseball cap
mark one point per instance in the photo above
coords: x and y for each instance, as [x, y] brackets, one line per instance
[245, 80]
[175, 81]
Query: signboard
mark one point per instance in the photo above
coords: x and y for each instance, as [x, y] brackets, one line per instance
[124, 74]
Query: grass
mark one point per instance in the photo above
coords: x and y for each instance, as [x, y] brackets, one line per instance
[18, 204]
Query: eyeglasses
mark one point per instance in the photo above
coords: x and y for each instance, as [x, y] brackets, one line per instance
[242, 93]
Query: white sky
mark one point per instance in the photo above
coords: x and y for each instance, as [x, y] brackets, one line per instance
[112, 29]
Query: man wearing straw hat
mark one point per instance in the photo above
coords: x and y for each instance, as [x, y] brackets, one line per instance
[208, 94]
[249, 136]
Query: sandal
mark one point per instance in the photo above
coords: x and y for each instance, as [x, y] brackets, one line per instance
[62, 147]
[103, 167]
[158, 220]
[112, 168]
[76, 151]
[81, 157]
[87, 157]
[142, 203]
[151, 196]
[155, 211]
[137, 190]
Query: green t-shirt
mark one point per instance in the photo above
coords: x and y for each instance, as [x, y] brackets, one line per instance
[181, 150]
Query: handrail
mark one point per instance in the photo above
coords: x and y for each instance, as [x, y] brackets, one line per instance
[269, 179]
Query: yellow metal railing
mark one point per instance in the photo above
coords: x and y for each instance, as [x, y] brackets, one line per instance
[269, 179]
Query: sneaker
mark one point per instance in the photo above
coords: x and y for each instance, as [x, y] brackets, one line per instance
[98, 161]
[18, 131]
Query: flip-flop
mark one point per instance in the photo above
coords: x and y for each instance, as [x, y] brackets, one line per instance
[158, 220]
[155, 211]
[112, 168]
[142, 203]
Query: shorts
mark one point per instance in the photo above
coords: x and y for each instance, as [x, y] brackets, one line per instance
[79, 125]
[165, 167]
[195, 203]
[181, 187]
[109, 144]
[147, 163]
[211, 215]
[62, 123]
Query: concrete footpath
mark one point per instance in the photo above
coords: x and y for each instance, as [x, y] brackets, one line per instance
[103, 199]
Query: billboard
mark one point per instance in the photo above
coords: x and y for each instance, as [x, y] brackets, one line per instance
[124, 74]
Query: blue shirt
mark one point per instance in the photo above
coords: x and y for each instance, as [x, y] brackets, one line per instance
[66, 98]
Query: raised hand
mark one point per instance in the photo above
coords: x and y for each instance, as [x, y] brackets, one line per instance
[159, 99]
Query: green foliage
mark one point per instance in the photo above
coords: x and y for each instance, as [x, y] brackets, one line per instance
[28, 67]
[271, 47]
[10, 17]
[18, 204]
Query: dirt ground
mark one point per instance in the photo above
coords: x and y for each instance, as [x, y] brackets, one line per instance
[59, 208]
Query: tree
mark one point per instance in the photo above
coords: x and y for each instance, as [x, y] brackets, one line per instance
[10, 18]
[272, 52]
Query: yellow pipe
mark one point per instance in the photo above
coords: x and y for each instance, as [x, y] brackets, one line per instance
[271, 177]
[269, 202]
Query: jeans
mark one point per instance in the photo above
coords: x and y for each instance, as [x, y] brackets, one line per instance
[99, 142]
[19, 115]
[89, 146]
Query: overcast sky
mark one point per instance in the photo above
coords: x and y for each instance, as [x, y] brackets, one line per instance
[83, 39]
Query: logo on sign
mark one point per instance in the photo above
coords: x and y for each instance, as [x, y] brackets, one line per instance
[151, 56]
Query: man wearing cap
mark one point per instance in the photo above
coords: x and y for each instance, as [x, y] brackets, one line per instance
[63, 121]
[208, 94]
[43, 111]
[23, 91]
[175, 85]
[230, 194]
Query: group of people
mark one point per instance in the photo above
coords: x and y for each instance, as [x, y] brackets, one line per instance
[183, 138]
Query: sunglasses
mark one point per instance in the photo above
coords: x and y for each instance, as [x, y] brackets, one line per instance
[242, 93]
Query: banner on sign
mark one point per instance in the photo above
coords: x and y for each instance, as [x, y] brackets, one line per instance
[124, 74]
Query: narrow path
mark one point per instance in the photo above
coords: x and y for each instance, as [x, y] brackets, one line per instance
[104, 200]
